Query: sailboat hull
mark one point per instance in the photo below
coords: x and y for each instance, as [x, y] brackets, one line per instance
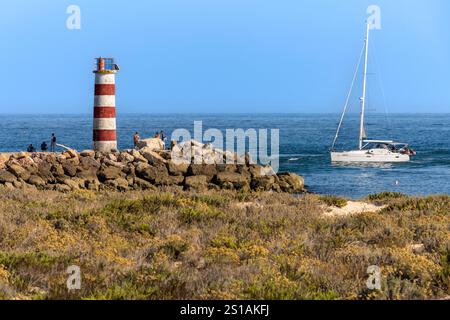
[372, 155]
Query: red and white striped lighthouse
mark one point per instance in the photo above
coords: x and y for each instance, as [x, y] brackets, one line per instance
[105, 137]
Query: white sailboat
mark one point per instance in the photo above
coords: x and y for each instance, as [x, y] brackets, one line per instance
[369, 150]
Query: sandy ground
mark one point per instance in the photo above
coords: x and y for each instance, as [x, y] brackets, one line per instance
[352, 207]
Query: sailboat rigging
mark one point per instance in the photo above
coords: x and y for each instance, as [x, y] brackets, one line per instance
[368, 150]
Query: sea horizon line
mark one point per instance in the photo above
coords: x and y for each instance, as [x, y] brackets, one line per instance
[221, 113]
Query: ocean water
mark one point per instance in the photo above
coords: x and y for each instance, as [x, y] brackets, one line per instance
[305, 140]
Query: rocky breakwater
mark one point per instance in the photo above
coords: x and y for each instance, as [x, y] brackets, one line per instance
[147, 168]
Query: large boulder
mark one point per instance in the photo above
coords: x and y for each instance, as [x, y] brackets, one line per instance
[111, 156]
[243, 170]
[177, 169]
[152, 173]
[120, 184]
[140, 168]
[226, 167]
[258, 171]
[44, 171]
[129, 169]
[71, 153]
[165, 154]
[81, 183]
[198, 183]
[75, 161]
[169, 180]
[74, 184]
[142, 184]
[89, 163]
[69, 168]
[237, 180]
[57, 171]
[113, 163]
[25, 161]
[6, 176]
[263, 183]
[88, 168]
[87, 174]
[36, 181]
[152, 157]
[87, 153]
[4, 157]
[125, 157]
[137, 156]
[19, 172]
[109, 173]
[151, 143]
[20, 155]
[291, 182]
[51, 158]
[255, 170]
[208, 170]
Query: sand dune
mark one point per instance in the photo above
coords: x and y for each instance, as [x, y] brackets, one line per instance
[353, 207]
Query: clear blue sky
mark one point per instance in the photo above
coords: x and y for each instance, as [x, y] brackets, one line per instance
[222, 55]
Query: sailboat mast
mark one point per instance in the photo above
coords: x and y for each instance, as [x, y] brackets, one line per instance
[363, 99]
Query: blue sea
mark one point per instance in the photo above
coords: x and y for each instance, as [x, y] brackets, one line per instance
[305, 140]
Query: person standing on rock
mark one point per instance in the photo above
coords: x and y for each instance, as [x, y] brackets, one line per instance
[53, 143]
[136, 139]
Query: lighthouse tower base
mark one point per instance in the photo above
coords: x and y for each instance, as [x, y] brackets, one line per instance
[105, 146]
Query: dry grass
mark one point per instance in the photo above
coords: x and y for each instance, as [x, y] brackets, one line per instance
[219, 245]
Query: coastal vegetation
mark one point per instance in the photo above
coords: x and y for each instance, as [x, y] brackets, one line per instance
[220, 244]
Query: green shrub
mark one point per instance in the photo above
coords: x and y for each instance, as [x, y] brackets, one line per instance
[126, 291]
[385, 196]
[212, 200]
[15, 260]
[272, 289]
[198, 214]
[174, 247]
[149, 204]
[333, 201]
[428, 206]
